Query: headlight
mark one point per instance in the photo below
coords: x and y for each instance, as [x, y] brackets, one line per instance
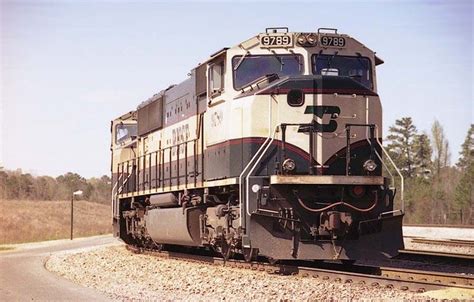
[289, 165]
[312, 39]
[301, 39]
[370, 165]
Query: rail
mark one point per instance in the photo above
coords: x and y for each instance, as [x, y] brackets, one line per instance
[404, 279]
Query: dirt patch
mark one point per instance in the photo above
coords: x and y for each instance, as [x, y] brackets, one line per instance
[27, 221]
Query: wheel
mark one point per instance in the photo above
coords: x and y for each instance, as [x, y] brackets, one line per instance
[249, 254]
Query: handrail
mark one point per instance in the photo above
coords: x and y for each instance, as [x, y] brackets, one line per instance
[117, 192]
[402, 180]
[114, 196]
[266, 77]
[380, 158]
[120, 189]
[388, 156]
[271, 138]
[158, 156]
[265, 143]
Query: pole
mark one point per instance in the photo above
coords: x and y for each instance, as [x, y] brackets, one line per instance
[72, 213]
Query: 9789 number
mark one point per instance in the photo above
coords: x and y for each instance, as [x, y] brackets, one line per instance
[276, 41]
[333, 41]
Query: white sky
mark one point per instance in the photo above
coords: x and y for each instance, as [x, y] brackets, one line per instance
[69, 67]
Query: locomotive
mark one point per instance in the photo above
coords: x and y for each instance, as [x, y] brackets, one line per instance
[271, 147]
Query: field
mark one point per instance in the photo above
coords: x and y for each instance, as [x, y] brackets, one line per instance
[28, 221]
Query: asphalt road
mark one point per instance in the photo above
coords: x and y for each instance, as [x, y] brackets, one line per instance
[23, 275]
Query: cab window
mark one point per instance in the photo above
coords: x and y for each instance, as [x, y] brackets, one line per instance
[357, 68]
[216, 78]
[247, 69]
[124, 132]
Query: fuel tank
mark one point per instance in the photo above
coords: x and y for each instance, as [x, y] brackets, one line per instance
[174, 226]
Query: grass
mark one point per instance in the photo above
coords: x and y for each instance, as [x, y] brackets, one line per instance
[28, 221]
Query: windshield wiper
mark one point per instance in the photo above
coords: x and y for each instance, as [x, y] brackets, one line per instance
[279, 59]
[359, 59]
[298, 60]
[330, 60]
[241, 60]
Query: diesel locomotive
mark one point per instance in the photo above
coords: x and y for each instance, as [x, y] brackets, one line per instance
[271, 147]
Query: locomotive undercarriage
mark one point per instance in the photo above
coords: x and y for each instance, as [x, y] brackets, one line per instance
[286, 221]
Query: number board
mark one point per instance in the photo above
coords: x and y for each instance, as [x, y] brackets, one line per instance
[276, 40]
[332, 41]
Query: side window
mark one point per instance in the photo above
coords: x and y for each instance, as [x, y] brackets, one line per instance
[124, 132]
[216, 79]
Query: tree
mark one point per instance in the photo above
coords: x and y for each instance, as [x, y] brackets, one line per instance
[3, 184]
[71, 182]
[467, 150]
[401, 145]
[423, 153]
[101, 191]
[464, 194]
[18, 185]
[440, 147]
[44, 188]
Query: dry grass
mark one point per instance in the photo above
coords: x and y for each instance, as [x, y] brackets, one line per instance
[27, 221]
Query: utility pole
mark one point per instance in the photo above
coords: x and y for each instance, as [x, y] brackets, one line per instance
[76, 193]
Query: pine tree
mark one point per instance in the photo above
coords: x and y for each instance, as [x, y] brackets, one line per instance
[464, 193]
[423, 153]
[467, 150]
[401, 146]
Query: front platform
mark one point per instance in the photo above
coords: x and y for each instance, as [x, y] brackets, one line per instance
[326, 180]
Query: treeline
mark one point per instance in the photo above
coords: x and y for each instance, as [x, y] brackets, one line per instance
[436, 191]
[24, 186]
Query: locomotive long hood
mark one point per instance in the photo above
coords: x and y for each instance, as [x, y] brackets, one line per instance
[312, 84]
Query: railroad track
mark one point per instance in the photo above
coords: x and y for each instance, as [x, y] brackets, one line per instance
[444, 242]
[403, 279]
[456, 226]
[438, 258]
[438, 255]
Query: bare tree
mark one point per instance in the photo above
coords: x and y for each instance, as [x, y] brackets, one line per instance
[440, 147]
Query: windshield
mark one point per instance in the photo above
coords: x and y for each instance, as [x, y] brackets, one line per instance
[124, 132]
[249, 68]
[357, 68]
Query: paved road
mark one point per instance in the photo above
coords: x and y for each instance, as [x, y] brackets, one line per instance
[23, 276]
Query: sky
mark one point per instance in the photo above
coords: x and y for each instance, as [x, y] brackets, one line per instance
[69, 67]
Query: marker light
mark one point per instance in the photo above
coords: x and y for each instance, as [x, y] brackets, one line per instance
[289, 165]
[370, 165]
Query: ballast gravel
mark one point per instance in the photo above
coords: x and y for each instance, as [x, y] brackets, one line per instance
[126, 276]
